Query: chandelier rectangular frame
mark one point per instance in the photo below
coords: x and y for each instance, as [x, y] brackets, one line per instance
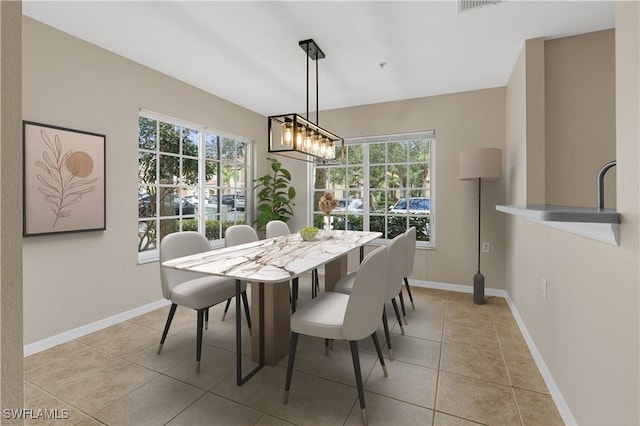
[296, 137]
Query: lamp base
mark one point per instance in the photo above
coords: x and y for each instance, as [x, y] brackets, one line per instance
[478, 289]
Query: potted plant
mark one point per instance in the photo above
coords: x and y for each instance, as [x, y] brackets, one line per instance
[275, 195]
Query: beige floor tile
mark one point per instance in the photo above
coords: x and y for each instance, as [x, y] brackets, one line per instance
[476, 400]
[469, 335]
[441, 419]
[123, 338]
[316, 401]
[215, 365]
[386, 411]
[537, 409]
[176, 349]
[214, 410]
[421, 328]
[154, 403]
[113, 373]
[406, 382]
[481, 362]
[338, 366]
[431, 309]
[89, 422]
[47, 410]
[469, 315]
[84, 377]
[261, 392]
[268, 420]
[416, 351]
[523, 372]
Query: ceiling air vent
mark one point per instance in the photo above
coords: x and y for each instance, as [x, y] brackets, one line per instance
[464, 5]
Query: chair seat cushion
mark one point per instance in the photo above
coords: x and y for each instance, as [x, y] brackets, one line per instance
[204, 292]
[345, 285]
[321, 317]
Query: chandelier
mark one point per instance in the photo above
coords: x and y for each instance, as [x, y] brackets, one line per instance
[294, 136]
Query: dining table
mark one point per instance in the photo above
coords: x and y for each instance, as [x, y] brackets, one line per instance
[269, 265]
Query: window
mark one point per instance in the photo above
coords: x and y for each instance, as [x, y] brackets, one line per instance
[384, 185]
[189, 179]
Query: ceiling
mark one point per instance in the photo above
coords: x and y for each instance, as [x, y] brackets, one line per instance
[248, 53]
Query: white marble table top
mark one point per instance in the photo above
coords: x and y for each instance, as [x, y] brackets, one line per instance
[275, 259]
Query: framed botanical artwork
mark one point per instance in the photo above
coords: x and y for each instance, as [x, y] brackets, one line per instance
[64, 180]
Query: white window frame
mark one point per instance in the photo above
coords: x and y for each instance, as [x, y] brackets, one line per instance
[431, 135]
[153, 254]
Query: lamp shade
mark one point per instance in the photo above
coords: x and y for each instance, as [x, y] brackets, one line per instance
[485, 163]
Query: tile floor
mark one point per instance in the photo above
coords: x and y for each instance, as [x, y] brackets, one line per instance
[457, 364]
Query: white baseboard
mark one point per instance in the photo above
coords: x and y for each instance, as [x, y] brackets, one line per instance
[67, 336]
[558, 398]
[460, 288]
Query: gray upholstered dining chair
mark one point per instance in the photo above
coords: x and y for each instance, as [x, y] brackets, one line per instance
[233, 236]
[345, 317]
[396, 248]
[277, 228]
[191, 289]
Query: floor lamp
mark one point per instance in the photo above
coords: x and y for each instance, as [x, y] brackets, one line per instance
[479, 164]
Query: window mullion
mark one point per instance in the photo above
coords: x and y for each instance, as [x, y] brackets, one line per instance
[202, 171]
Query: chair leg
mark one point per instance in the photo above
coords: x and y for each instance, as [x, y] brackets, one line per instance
[386, 332]
[206, 319]
[314, 277]
[395, 308]
[406, 283]
[376, 343]
[172, 312]
[226, 308]
[294, 294]
[356, 367]
[326, 347]
[315, 272]
[293, 343]
[199, 338]
[404, 311]
[245, 302]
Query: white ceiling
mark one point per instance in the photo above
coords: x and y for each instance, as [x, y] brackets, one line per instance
[247, 52]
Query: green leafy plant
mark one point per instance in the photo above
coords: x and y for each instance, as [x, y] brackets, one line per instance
[275, 195]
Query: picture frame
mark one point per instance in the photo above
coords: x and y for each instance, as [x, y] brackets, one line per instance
[64, 180]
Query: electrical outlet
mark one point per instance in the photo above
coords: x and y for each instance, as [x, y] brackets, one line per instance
[486, 247]
[545, 293]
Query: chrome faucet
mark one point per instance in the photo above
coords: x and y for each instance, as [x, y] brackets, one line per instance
[601, 174]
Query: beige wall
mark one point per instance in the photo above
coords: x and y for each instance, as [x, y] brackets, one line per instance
[71, 280]
[587, 329]
[461, 121]
[580, 117]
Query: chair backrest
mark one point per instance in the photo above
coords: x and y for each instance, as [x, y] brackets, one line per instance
[239, 234]
[364, 308]
[277, 228]
[175, 245]
[410, 254]
[397, 252]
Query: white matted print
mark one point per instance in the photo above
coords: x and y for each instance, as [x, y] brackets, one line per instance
[64, 180]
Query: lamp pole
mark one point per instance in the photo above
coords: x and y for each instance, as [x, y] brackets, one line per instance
[478, 278]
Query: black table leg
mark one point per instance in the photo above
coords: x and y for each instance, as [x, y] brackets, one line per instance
[239, 379]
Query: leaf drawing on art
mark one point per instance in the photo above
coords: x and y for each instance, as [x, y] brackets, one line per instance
[62, 184]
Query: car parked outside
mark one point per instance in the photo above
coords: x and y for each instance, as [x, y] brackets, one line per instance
[417, 205]
[349, 205]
